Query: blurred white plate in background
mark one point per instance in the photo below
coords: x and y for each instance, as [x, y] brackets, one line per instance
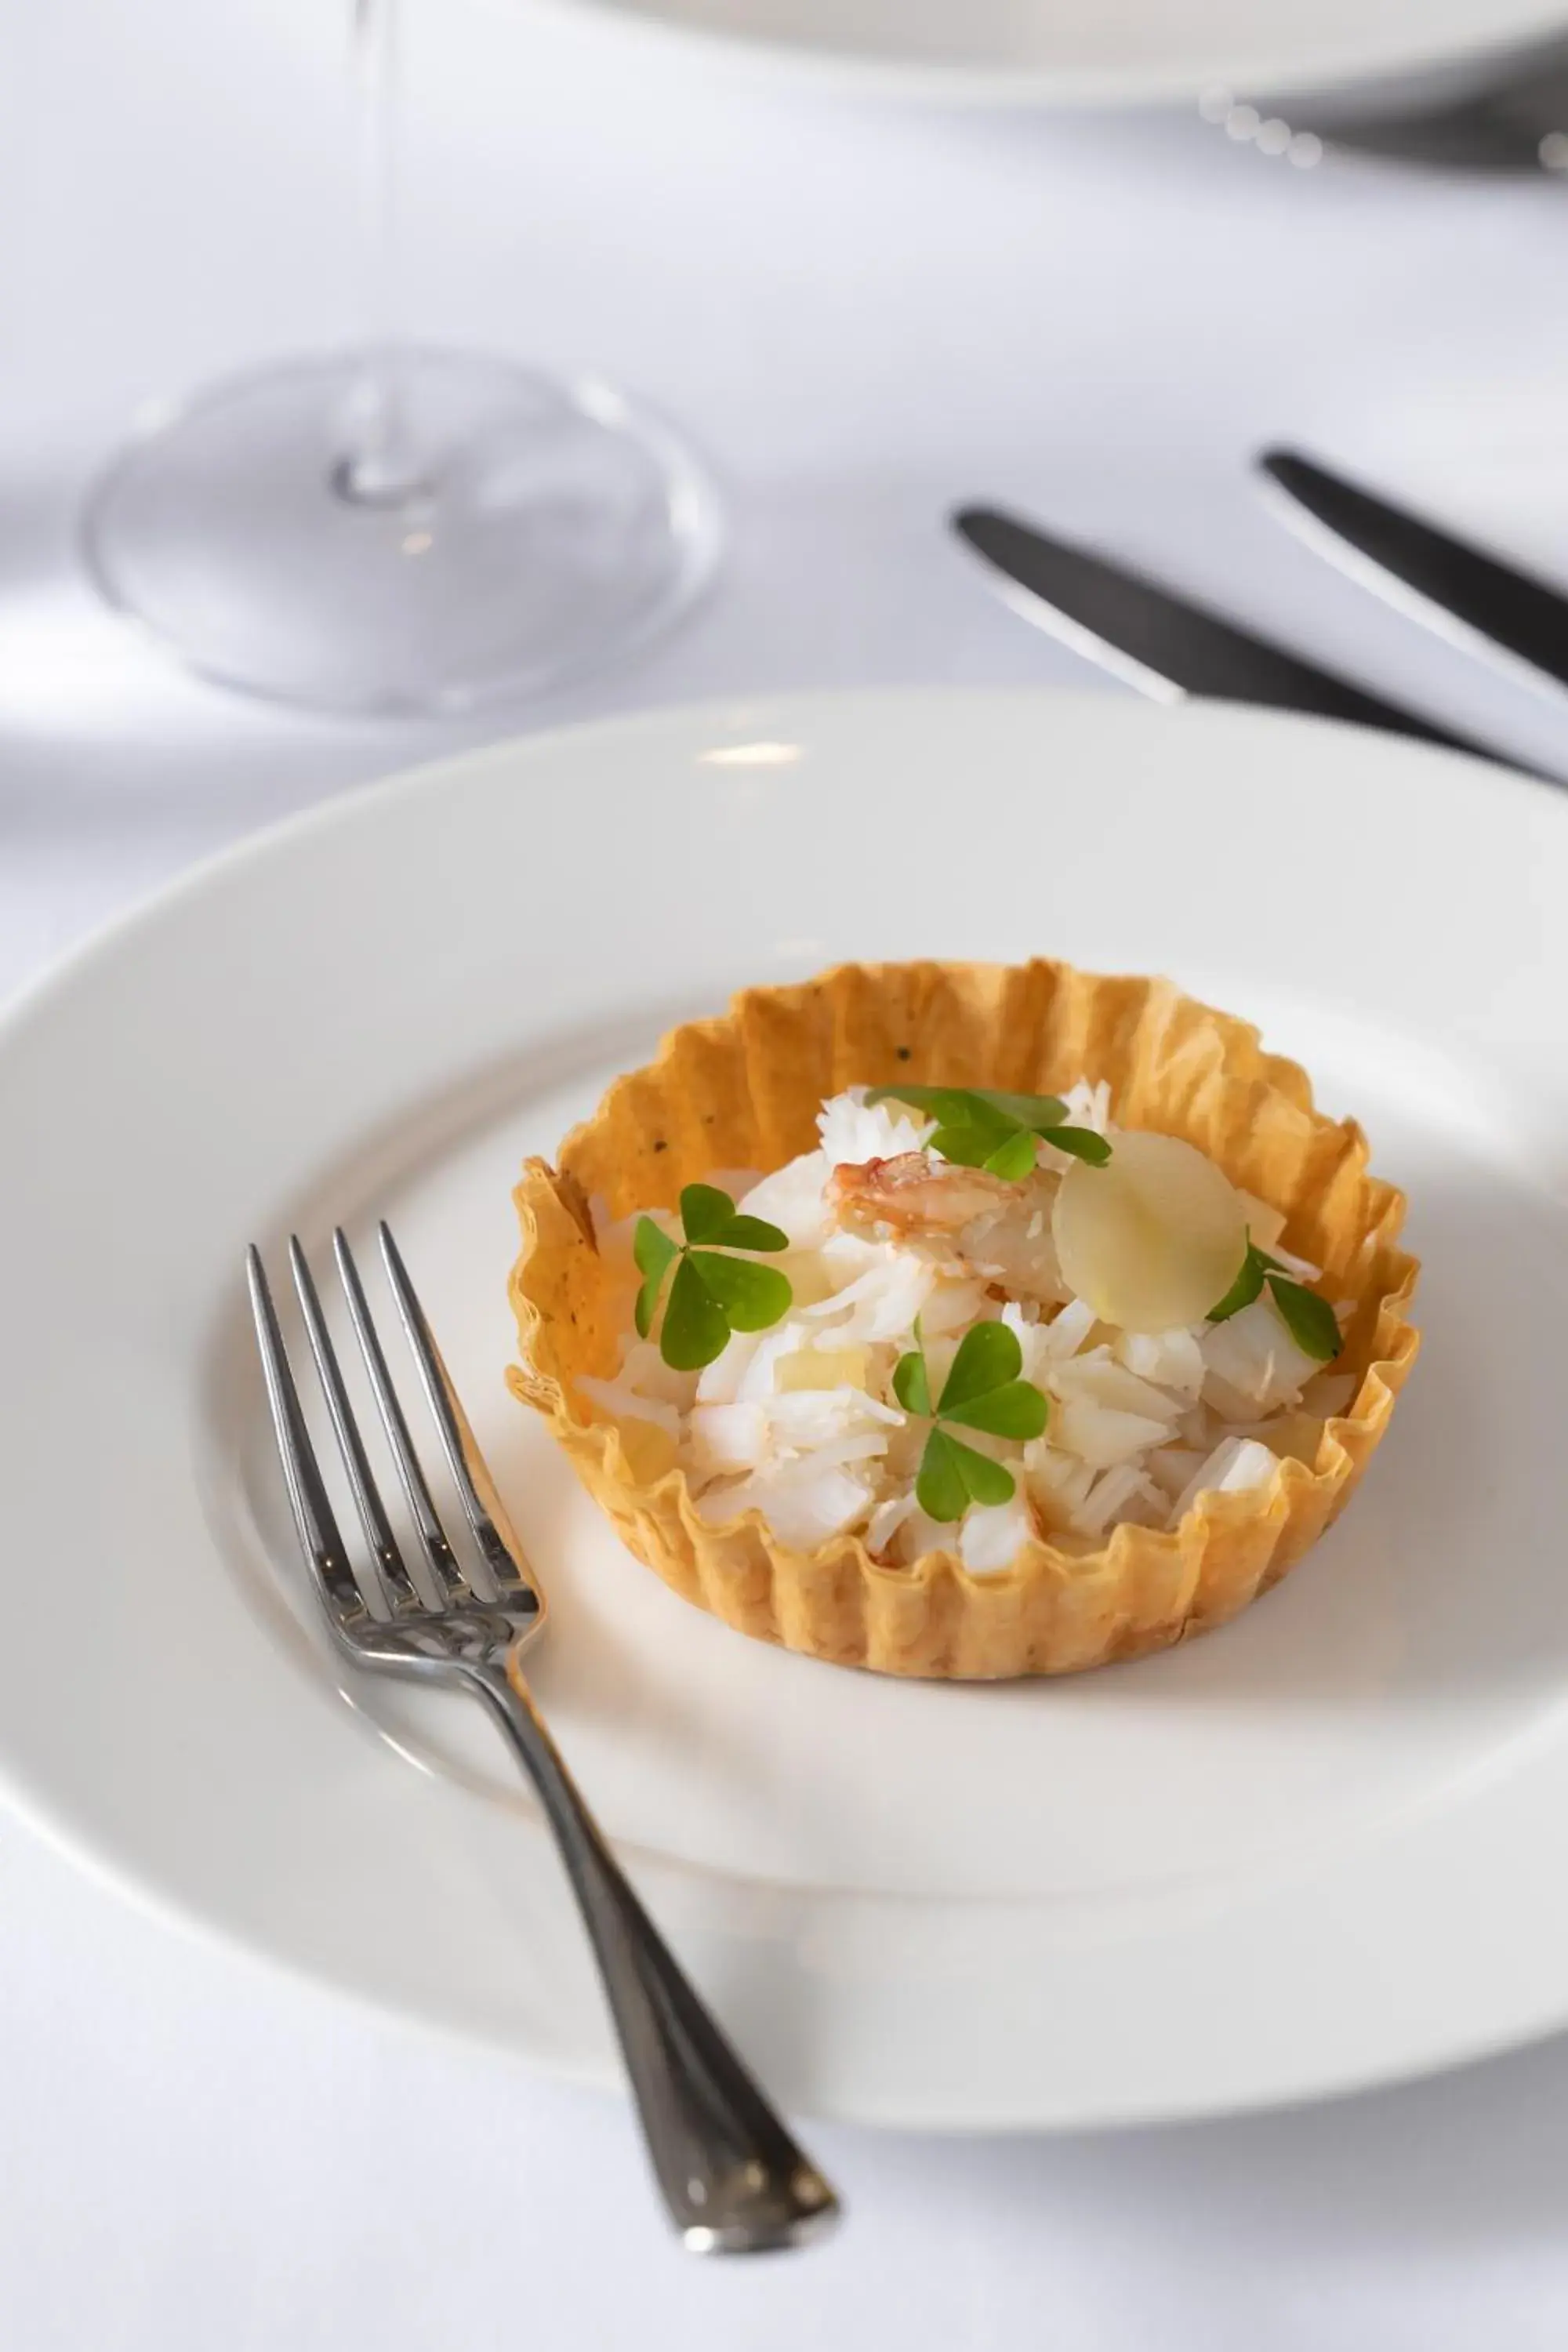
[1115, 52]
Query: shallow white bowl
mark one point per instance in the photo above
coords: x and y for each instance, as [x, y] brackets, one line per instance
[1308, 1852]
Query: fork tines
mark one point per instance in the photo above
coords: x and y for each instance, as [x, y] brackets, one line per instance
[386, 1579]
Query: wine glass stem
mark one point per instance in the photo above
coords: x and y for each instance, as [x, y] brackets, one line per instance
[379, 465]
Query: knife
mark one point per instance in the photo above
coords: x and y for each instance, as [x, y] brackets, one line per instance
[1162, 644]
[1456, 589]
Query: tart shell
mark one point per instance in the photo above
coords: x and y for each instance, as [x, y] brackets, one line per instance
[743, 1090]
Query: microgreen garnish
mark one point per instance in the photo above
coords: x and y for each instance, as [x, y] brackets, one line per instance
[1248, 1286]
[710, 1295]
[981, 1128]
[982, 1391]
[1310, 1319]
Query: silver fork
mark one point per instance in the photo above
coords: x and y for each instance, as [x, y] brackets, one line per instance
[732, 2178]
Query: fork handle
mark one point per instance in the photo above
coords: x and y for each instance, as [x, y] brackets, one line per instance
[733, 2178]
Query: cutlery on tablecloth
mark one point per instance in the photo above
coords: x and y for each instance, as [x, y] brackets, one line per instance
[1164, 645]
[732, 2178]
[1473, 598]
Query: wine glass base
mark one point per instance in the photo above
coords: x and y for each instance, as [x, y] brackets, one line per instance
[546, 528]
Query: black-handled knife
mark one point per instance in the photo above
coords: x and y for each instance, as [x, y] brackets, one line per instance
[1162, 644]
[1422, 569]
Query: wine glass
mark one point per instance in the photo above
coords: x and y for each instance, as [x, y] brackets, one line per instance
[400, 528]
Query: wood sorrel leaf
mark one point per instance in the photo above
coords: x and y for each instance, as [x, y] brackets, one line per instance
[710, 1295]
[988, 1354]
[1310, 1319]
[751, 1297]
[966, 1147]
[1036, 1112]
[705, 1211]
[1244, 1289]
[1017, 1409]
[1013, 1159]
[988, 1481]
[912, 1383]
[752, 1234]
[941, 1490]
[980, 1128]
[652, 1249]
[980, 1106]
[696, 1327]
[1082, 1143]
[953, 1105]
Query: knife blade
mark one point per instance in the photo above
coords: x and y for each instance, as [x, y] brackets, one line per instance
[1165, 645]
[1458, 589]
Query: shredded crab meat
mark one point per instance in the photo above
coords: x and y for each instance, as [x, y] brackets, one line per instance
[891, 1249]
[1000, 1232]
[916, 1195]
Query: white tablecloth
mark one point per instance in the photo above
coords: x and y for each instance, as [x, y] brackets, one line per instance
[859, 316]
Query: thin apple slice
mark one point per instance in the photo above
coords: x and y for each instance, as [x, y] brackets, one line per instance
[1153, 1239]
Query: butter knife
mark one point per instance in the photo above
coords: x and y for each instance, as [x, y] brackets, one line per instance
[1164, 645]
[1455, 588]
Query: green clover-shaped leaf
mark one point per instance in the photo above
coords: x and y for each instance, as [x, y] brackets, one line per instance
[653, 1250]
[1246, 1286]
[751, 1297]
[705, 1211]
[952, 1475]
[712, 1295]
[1082, 1143]
[911, 1384]
[1036, 1112]
[988, 1354]
[753, 1234]
[977, 1107]
[1013, 1157]
[1310, 1320]
[982, 1391]
[967, 1147]
[1017, 1409]
[941, 1490]
[988, 1482]
[696, 1327]
[978, 1127]
[951, 1105]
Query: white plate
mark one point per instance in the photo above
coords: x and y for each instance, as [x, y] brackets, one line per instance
[1111, 53]
[1310, 1851]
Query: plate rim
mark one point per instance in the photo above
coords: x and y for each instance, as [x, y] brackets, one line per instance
[343, 805]
[1265, 76]
[356, 806]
